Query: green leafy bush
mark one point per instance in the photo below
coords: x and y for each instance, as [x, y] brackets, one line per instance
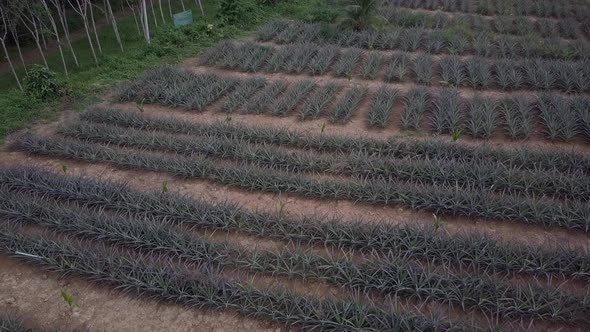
[167, 41]
[238, 11]
[268, 2]
[322, 14]
[42, 83]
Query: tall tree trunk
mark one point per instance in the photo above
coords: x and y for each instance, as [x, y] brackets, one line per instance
[54, 27]
[5, 27]
[170, 9]
[161, 11]
[33, 29]
[141, 19]
[61, 12]
[63, 59]
[65, 16]
[154, 13]
[105, 10]
[94, 28]
[136, 23]
[114, 23]
[182, 3]
[10, 64]
[28, 19]
[43, 40]
[81, 9]
[146, 27]
[14, 34]
[38, 43]
[198, 2]
[86, 28]
[132, 7]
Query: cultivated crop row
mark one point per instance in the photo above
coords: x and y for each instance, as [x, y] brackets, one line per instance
[242, 93]
[542, 8]
[561, 118]
[382, 107]
[446, 5]
[176, 87]
[515, 25]
[319, 101]
[372, 65]
[416, 103]
[524, 158]
[349, 102]
[251, 95]
[292, 96]
[468, 251]
[585, 27]
[391, 275]
[430, 41]
[483, 117]
[451, 200]
[446, 112]
[11, 324]
[202, 286]
[261, 102]
[474, 72]
[251, 60]
[482, 175]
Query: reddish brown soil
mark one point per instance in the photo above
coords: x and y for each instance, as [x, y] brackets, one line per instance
[35, 296]
[356, 127]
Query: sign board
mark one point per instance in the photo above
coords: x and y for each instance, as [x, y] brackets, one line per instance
[183, 18]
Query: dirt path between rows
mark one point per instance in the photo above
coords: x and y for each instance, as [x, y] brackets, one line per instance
[293, 204]
[36, 297]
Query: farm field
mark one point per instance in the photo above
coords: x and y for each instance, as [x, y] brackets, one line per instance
[431, 175]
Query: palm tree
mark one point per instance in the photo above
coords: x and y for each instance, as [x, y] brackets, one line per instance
[360, 16]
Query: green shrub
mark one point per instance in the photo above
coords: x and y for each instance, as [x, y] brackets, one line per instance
[167, 41]
[170, 40]
[322, 14]
[238, 11]
[42, 84]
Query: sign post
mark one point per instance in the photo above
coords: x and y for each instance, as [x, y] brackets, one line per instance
[183, 18]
